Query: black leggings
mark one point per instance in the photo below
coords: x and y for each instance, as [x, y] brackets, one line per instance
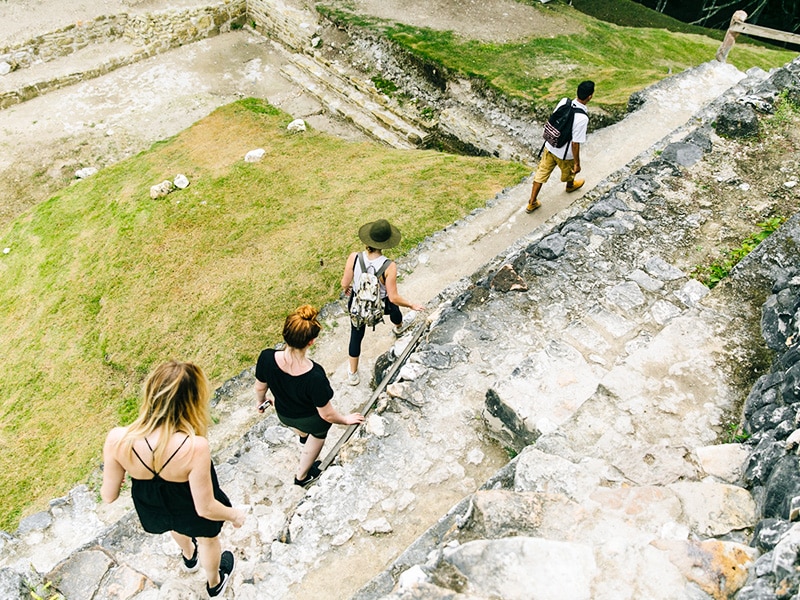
[357, 335]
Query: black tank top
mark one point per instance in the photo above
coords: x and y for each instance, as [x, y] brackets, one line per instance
[168, 505]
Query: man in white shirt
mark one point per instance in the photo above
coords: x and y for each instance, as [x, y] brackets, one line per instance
[568, 156]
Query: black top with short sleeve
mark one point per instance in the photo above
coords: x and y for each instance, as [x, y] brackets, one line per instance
[296, 396]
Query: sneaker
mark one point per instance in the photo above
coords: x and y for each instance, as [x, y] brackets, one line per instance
[353, 378]
[578, 183]
[532, 206]
[226, 564]
[408, 322]
[190, 564]
[311, 477]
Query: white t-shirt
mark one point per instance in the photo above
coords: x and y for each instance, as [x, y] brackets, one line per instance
[578, 132]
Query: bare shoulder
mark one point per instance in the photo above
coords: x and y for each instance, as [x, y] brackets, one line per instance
[115, 435]
[200, 447]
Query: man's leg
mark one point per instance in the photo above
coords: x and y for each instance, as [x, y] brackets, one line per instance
[567, 168]
[543, 171]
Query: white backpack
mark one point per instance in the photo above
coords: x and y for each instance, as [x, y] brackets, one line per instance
[366, 307]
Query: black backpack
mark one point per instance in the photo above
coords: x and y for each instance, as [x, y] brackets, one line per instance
[558, 129]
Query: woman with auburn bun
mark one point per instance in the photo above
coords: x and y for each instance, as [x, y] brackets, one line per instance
[301, 390]
[174, 486]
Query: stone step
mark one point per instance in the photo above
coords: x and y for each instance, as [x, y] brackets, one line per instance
[84, 64]
[85, 50]
[342, 98]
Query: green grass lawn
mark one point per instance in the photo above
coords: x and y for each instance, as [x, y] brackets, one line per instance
[620, 59]
[101, 282]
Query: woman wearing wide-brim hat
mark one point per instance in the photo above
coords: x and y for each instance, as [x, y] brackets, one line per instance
[377, 236]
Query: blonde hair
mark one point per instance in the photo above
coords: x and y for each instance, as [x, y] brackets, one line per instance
[176, 398]
[301, 327]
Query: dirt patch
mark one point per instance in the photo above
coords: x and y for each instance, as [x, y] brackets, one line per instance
[499, 21]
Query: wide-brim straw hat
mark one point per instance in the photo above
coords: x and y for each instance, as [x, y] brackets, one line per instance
[379, 234]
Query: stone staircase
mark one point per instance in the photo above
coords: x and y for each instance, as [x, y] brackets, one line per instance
[355, 100]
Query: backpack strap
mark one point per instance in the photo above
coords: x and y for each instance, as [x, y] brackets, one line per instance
[361, 262]
[573, 109]
[383, 268]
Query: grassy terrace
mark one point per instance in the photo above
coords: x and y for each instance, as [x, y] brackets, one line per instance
[621, 59]
[101, 282]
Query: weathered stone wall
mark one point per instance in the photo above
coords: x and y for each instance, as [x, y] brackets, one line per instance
[153, 32]
[290, 25]
[146, 34]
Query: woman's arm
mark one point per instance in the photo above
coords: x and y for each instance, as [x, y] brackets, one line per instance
[203, 490]
[391, 289]
[331, 415]
[113, 472]
[260, 389]
[347, 276]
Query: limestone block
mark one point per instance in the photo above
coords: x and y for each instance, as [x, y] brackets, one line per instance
[626, 295]
[123, 582]
[539, 471]
[521, 568]
[380, 525]
[736, 120]
[723, 461]
[507, 280]
[5, 68]
[80, 574]
[504, 513]
[543, 391]
[715, 509]
[718, 568]
[692, 292]
[661, 269]
[682, 153]
[663, 311]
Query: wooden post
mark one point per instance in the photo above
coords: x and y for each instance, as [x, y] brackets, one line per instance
[730, 36]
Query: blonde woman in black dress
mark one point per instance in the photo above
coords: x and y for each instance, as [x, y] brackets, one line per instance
[173, 483]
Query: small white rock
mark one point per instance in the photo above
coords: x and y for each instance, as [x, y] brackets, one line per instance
[411, 578]
[744, 187]
[162, 189]
[255, 155]
[376, 425]
[475, 456]
[790, 184]
[5, 68]
[85, 172]
[297, 125]
[181, 181]
[380, 525]
[6, 250]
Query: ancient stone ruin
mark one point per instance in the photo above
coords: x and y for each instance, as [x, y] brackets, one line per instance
[584, 350]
